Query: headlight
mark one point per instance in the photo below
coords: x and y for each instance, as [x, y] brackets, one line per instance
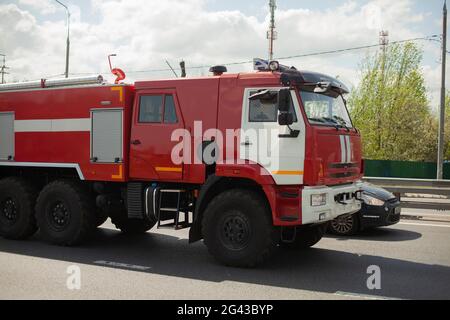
[372, 201]
[318, 200]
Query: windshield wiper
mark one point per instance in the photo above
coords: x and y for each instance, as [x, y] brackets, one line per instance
[342, 121]
[325, 120]
[331, 121]
[320, 120]
[337, 125]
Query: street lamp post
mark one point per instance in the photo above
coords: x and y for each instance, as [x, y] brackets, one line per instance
[68, 37]
[440, 163]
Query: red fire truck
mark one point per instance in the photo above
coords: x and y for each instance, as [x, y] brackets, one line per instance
[249, 162]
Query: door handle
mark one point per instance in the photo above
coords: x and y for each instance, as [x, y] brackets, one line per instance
[136, 142]
[246, 143]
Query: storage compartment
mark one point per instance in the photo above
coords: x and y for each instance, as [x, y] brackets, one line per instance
[6, 136]
[107, 136]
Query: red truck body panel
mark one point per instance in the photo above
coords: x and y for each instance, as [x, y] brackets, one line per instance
[39, 142]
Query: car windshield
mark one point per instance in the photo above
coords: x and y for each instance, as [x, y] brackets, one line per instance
[322, 109]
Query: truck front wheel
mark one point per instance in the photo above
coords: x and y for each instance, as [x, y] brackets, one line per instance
[65, 213]
[17, 200]
[238, 229]
[306, 237]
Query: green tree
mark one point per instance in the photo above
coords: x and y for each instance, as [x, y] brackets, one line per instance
[390, 106]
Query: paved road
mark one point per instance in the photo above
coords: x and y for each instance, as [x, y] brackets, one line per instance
[414, 258]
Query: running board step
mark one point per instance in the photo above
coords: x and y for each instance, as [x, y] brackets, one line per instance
[169, 204]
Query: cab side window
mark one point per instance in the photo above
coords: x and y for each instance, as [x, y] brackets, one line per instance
[170, 113]
[265, 109]
[150, 109]
[157, 109]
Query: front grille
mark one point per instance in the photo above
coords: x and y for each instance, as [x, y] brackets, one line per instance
[342, 175]
[343, 165]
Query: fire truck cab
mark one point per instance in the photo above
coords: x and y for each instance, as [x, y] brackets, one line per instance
[249, 162]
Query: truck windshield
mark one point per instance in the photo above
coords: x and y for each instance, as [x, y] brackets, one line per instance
[322, 109]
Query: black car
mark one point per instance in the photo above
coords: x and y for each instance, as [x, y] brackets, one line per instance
[380, 208]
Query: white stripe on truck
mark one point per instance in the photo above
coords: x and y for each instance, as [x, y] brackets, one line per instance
[53, 125]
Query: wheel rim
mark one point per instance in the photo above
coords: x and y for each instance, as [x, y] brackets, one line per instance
[58, 215]
[9, 210]
[235, 232]
[343, 225]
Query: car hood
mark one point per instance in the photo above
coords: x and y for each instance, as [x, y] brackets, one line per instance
[377, 192]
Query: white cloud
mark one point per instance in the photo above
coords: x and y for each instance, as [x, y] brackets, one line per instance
[42, 6]
[144, 33]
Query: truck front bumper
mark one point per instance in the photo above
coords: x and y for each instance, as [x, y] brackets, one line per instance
[340, 200]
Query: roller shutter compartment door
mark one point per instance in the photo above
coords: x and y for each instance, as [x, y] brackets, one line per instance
[107, 136]
[6, 136]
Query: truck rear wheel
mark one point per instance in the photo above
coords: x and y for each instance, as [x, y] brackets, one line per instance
[17, 200]
[306, 237]
[238, 230]
[131, 226]
[65, 213]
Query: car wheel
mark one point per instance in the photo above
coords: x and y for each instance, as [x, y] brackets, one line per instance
[346, 225]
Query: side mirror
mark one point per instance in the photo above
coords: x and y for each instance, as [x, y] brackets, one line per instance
[284, 100]
[285, 119]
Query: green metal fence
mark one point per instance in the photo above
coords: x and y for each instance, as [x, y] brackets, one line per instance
[404, 169]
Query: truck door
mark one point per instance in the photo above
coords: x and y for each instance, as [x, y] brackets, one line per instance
[156, 116]
[281, 154]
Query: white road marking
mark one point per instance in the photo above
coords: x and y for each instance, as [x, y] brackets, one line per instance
[121, 265]
[362, 296]
[425, 225]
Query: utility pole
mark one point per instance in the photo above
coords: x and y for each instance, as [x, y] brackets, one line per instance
[272, 34]
[384, 39]
[3, 68]
[68, 38]
[183, 68]
[440, 164]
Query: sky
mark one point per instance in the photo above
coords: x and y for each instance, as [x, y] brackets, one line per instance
[146, 33]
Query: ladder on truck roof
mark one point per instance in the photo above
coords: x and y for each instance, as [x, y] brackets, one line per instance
[52, 83]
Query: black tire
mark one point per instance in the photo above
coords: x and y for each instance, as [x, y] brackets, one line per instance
[17, 201]
[131, 226]
[65, 213]
[306, 237]
[238, 230]
[347, 225]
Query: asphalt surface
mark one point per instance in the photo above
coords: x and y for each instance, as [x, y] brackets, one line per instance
[414, 259]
